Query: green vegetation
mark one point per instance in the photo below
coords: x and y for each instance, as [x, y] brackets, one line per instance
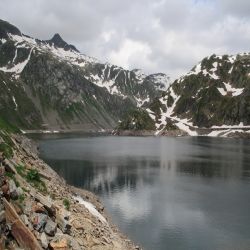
[21, 199]
[21, 170]
[33, 177]
[137, 120]
[6, 150]
[12, 176]
[66, 204]
[7, 126]
[170, 126]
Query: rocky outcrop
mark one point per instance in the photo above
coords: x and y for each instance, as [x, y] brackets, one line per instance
[37, 212]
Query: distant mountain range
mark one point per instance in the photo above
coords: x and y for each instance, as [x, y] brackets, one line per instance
[212, 99]
[50, 85]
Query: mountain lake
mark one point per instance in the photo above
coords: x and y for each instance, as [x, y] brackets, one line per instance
[163, 193]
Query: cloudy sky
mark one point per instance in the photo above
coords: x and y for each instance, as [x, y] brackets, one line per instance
[167, 36]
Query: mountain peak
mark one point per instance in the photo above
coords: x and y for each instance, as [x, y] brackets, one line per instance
[6, 28]
[60, 43]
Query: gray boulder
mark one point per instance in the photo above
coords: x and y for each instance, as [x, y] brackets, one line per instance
[44, 241]
[39, 221]
[50, 227]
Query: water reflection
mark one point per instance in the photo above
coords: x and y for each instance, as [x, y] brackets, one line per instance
[184, 193]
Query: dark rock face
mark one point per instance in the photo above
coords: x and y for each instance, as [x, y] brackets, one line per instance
[218, 94]
[57, 41]
[50, 85]
[6, 28]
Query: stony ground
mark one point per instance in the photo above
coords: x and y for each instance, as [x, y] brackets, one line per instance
[38, 210]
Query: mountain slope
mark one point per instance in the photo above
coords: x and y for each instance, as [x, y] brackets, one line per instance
[212, 99]
[50, 84]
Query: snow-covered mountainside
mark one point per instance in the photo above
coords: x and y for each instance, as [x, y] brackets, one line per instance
[50, 84]
[212, 99]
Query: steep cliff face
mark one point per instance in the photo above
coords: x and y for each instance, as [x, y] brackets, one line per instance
[51, 84]
[213, 98]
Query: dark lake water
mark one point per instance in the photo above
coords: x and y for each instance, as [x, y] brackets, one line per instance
[164, 193]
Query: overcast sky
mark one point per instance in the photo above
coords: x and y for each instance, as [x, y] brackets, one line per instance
[168, 36]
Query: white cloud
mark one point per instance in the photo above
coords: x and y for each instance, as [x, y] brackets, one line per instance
[156, 35]
[130, 53]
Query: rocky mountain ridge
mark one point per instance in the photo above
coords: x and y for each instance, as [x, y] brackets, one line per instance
[51, 85]
[212, 99]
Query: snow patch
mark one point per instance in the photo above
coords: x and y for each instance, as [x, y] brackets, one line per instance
[232, 59]
[161, 81]
[139, 74]
[91, 208]
[18, 68]
[197, 70]
[3, 41]
[14, 100]
[240, 125]
[141, 102]
[230, 90]
[186, 128]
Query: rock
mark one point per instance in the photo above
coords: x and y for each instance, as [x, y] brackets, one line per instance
[19, 191]
[60, 245]
[62, 219]
[1, 153]
[44, 241]
[12, 185]
[106, 240]
[2, 176]
[39, 221]
[78, 225]
[25, 220]
[2, 216]
[46, 201]
[17, 208]
[38, 208]
[28, 207]
[74, 244]
[91, 241]
[13, 190]
[14, 195]
[50, 227]
[6, 190]
[63, 224]
[80, 242]
[64, 213]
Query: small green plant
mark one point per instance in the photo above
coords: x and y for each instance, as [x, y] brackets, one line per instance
[12, 176]
[6, 150]
[66, 204]
[21, 198]
[9, 174]
[25, 190]
[33, 177]
[21, 170]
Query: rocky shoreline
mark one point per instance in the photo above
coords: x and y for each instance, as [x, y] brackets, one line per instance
[38, 210]
[226, 133]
